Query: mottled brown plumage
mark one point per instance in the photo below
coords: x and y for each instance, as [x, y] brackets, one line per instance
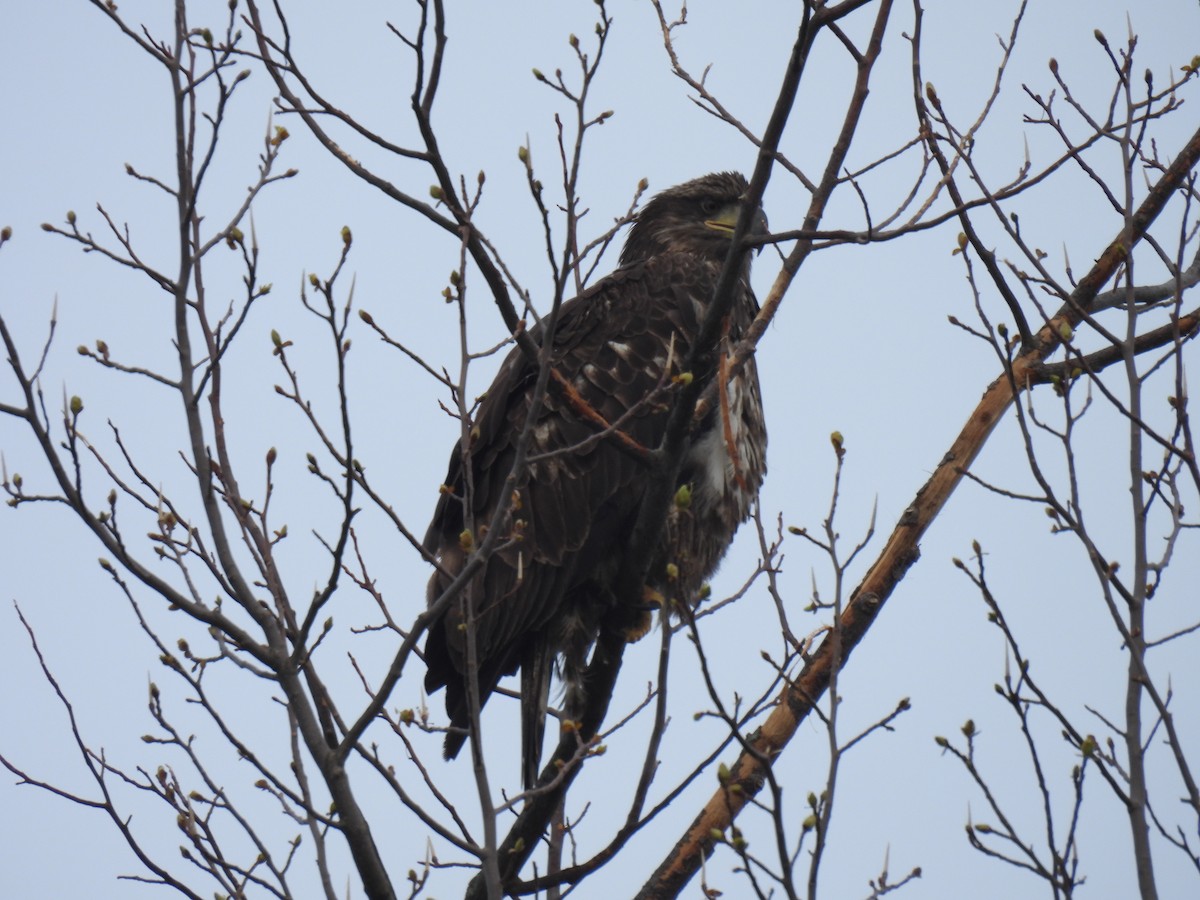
[543, 595]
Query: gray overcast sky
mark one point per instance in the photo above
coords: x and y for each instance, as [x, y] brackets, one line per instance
[862, 346]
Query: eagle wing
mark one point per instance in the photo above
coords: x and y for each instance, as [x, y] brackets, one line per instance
[613, 344]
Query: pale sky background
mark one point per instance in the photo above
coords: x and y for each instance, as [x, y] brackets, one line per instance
[861, 345]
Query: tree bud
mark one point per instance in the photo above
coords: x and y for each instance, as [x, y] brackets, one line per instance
[683, 497]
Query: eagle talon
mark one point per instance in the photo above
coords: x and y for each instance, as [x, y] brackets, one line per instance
[652, 599]
[639, 628]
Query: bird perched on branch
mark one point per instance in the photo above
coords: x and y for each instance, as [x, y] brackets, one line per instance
[618, 355]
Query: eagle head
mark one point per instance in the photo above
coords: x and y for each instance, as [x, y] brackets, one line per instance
[696, 217]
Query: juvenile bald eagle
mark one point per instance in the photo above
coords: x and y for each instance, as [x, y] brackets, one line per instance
[542, 597]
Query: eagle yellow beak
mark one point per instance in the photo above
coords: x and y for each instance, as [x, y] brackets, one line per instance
[725, 220]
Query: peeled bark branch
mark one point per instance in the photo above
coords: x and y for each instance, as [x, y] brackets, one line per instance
[901, 550]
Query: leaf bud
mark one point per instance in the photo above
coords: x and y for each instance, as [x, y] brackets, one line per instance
[76, 405]
[683, 497]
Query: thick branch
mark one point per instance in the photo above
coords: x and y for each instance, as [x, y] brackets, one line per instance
[901, 550]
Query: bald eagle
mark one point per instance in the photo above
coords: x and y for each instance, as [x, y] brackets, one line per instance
[541, 598]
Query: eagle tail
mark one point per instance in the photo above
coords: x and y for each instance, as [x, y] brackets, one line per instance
[536, 669]
[454, 743]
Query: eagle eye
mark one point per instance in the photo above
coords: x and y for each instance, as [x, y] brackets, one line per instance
[708, 206]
